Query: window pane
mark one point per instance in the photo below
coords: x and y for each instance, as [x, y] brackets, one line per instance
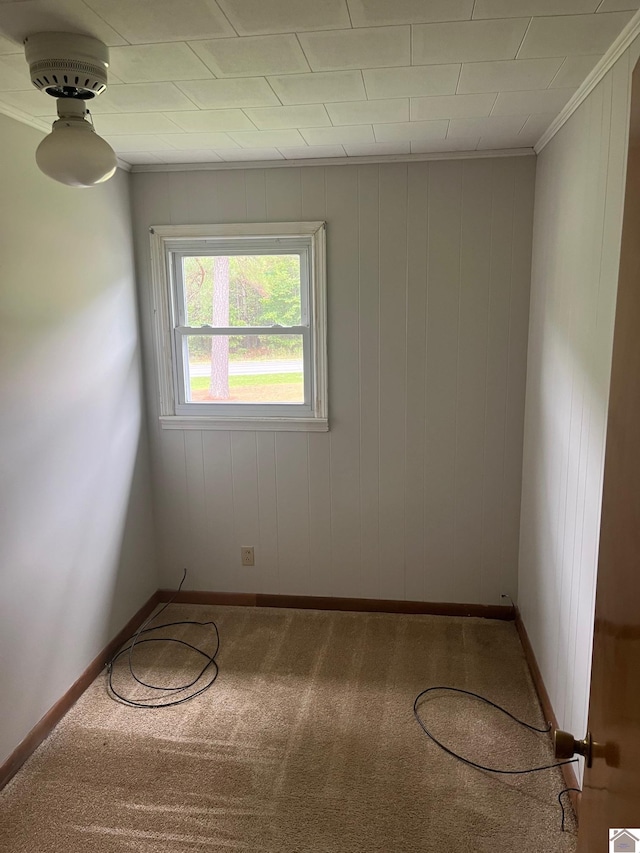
[242, 290]
[245, 369]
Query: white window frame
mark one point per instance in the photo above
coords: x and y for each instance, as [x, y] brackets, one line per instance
[168, 244]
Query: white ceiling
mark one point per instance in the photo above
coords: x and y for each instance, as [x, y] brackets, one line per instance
[233, 80]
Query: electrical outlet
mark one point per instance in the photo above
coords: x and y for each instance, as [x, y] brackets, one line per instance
[247, 556]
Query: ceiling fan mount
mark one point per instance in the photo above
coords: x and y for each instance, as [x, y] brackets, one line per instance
[67, 65]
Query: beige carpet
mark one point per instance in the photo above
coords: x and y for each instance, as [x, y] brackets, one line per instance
[306, 742]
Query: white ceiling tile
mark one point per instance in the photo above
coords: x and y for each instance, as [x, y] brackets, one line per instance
[619, 5]
[535, 126]
[529, 133]
[497, 140]
[441, 146]
[152, 63]
[319, 88]
[573, 71]
[144, 21]
[218, 94]
[378, 85]
[137, 142]
[269, 139]
[9, 46]
[257, 17]
[502, 143]
[18, 20]
[460, 127]
[524, 139]
[515, 8]
[130, 123]
[14, 74]
[411, 82]
[141, 97]
[277, 118]
[312, 152]
[198, 141]
[111, 77]
[211, 121]
[376, 47]
[139, 157]
[369, 112]
[508, 76]
[467, 41]
[411, 130]
[572, 34]
[452, 106]
[378, 149]
[506, 143]
[204, 156]
[338, 135]
[525, 103]
[373, 13]
[33, 103]
[253, 56]
[261, 154]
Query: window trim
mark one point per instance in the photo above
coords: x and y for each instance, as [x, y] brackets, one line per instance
[162, 238]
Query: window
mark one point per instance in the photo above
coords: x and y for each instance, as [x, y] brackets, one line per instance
[240, 315]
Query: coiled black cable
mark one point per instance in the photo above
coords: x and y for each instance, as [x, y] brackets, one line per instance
[136, 642]
[493, 705]
[482, 766]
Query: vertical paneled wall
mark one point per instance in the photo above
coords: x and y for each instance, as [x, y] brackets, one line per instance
[578, 219]
[77, 549]
[415, 491]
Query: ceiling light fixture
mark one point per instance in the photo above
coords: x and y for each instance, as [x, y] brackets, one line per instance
[73, 69]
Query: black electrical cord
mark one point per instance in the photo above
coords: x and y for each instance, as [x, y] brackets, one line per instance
[136, 641]
[511, 601]
[565, 791]
[481, 766]
[499, 708]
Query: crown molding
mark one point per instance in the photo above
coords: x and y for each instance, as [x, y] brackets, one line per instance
[626, 37]
[330, 161]
[25, 118]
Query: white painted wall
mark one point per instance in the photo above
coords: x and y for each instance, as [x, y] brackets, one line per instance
[578, 218]
[76, 532]
[415, 491]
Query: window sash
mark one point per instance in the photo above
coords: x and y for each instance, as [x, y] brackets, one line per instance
[180, 361]
[181, 375]
[301, 248]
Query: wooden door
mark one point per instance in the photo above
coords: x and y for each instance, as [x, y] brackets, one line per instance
[611, 790]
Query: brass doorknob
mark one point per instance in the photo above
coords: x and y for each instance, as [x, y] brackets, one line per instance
[566, 746]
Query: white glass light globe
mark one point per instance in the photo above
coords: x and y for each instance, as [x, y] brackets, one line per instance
[75, 155]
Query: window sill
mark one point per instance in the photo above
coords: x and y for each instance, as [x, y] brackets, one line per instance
[253, 424]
